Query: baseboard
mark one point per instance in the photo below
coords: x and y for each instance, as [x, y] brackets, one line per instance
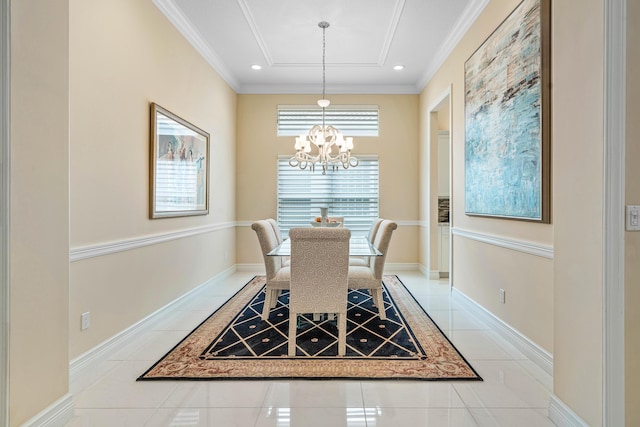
[88, 365]
[534, 352]
[57, 414]
[562, 415]
[251, 267]
[400, 266]
[434, 275]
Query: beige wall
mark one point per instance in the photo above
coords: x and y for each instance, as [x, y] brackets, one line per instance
[563, 295]
[39, 213]
[123, 55]
[259, 146]
[480, 269]
[578, 204]
[632, 239]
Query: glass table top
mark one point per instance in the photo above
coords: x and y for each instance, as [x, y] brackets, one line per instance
[358, 246]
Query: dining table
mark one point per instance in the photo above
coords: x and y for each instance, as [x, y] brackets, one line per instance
[358, 246]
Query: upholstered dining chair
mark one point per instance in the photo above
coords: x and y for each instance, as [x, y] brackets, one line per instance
[319, 267]
[276, 230]
[366, 261]
[370, 277]
[278, 276]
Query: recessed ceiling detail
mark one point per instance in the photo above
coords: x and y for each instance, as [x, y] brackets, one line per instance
[365, 40]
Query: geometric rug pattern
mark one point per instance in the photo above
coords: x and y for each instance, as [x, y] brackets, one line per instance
[235, 343]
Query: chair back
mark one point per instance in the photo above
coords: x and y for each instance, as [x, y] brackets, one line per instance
[374, 229]
[382, 240]
[268, 242]
[319, 269]
[276, 229]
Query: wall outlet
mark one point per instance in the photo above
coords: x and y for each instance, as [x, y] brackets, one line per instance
[502, 296]
[85, 321]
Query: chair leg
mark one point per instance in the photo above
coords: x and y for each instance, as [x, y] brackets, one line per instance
[342, 334]
[293, 317]
[266, 308]
[275, 294]
[379, 302]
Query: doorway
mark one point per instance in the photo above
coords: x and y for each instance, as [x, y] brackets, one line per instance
[440, 189]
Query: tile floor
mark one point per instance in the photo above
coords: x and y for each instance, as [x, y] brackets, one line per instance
[514, 391]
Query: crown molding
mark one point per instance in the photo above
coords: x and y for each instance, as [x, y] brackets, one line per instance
[461, 27]
[186, 28]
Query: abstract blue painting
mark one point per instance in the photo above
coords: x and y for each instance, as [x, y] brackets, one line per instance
[506, 158]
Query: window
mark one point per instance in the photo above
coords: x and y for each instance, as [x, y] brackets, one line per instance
[351, 193]
[361, 120]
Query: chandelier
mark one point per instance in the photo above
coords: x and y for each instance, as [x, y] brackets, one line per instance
[330, 148]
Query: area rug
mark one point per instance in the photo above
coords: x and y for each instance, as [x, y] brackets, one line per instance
[235, 343]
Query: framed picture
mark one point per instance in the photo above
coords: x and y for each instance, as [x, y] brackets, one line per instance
[507, 118]
[179, 166]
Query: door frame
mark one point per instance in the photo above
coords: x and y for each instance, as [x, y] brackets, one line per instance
[615, 53]
[5, 47]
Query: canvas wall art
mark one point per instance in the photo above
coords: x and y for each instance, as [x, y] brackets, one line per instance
[507, 118]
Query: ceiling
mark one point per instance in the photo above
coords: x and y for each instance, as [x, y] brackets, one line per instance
[365, 40]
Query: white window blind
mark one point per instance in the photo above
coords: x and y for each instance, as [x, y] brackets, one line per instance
[351, 193]
[359, 120]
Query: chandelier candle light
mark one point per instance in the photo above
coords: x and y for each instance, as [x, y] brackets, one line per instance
[333, 149]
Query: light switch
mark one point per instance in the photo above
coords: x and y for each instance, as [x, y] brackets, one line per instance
[633, 218]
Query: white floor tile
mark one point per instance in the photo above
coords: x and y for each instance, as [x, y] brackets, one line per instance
[506, 385]
[204, 417]
[314, 394]
[456, 320]
[477, 345]
[111, 417]
[218, 394]
[311, 417]
[410, 394]
[419, 417]
[511, 417]
[120, 389]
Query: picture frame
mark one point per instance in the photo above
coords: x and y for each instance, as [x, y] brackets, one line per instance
[507, 118]
[179, 166]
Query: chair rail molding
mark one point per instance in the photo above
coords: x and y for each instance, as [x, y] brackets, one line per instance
[527, 247]
[100, 249]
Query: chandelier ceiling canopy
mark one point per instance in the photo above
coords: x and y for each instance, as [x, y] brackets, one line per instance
[323, 145]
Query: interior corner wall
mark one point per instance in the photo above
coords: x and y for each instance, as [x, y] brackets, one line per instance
[39, 207]
[396, 146]
[125, 55]
[480, 269]
[632, 239]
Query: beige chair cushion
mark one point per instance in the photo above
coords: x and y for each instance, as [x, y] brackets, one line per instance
[319, 267]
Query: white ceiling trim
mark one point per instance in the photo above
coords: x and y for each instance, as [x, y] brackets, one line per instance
[248, 16]
[313, 89]
[187, 29]
[461, 27]
[397, 13]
